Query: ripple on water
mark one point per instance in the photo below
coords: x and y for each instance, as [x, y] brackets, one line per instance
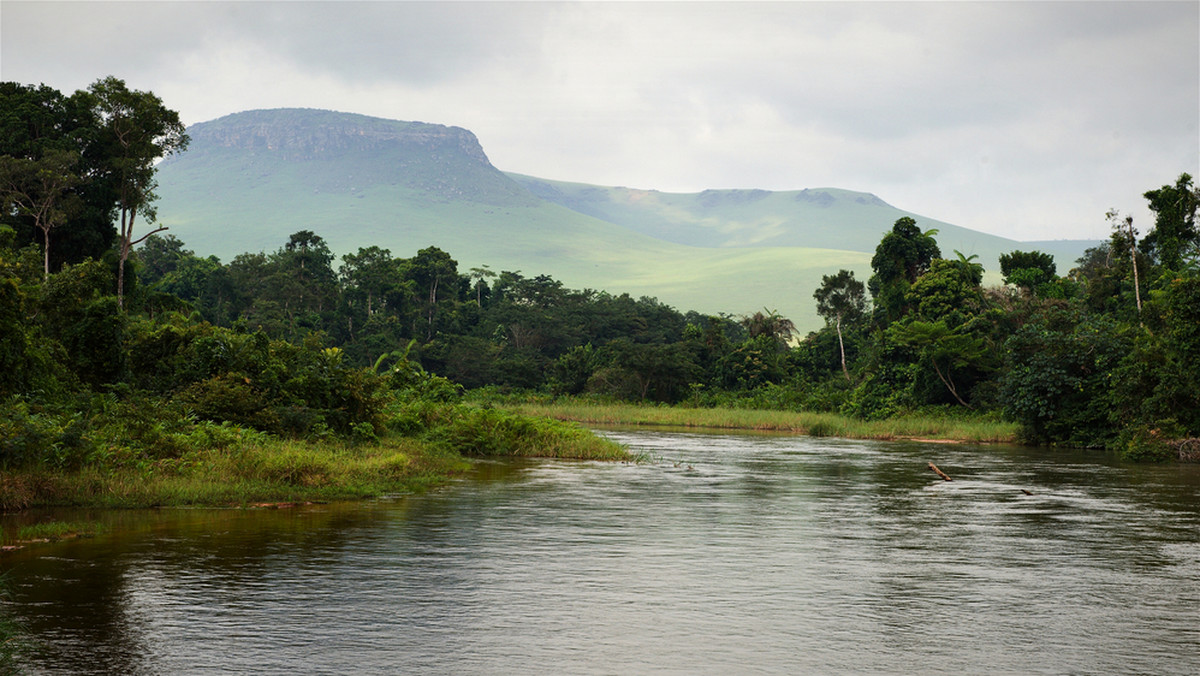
[724, 554]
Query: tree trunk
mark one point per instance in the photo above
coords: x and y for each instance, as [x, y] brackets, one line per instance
[122, 254]
[948, 383]
[46, 253]
[1137, 294]
[842, 348]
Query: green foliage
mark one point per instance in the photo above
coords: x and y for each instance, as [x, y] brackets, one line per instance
[1059, 369]
[949, 292]
[1027, 270]
[1144, 444]
[901, 258]
[945, 349]
[82, 315]
[1175, 235]
[841, 299]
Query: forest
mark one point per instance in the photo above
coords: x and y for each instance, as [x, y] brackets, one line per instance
[121, 345]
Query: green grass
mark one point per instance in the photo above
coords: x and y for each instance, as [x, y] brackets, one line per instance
[59, 530]
[935, 428]
[262, 469]
[275, 471]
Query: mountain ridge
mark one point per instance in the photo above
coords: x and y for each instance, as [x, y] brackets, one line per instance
[250, 179]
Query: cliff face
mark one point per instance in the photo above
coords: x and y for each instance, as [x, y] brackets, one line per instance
[304, 134]
[321, 151]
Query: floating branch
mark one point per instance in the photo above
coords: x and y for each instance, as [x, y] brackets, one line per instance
[939, 472]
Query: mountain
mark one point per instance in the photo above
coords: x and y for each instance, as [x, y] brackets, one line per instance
[251, 179]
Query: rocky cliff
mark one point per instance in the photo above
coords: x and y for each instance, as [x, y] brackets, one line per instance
[306, 134]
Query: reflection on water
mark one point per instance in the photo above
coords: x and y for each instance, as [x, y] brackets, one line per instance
[726, 554]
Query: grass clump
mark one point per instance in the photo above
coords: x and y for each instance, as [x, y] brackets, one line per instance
[59, 530]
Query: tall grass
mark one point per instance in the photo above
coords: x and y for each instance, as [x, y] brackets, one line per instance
[430, 445]
[269, 471]
[934, 427]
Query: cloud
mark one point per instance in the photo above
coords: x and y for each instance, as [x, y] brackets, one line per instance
[1025, 119]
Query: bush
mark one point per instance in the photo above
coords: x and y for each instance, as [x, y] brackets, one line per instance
[1143, 444]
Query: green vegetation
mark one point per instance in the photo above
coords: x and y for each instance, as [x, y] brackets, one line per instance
[283, 376]
[927, 426]
[118, 393]
[359, 182]
[59, 530]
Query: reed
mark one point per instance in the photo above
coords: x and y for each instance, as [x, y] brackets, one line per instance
[940, 427]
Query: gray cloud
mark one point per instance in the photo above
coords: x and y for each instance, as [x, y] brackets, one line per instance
[1027, 119]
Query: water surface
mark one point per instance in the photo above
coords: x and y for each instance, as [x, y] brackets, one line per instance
[748, 554]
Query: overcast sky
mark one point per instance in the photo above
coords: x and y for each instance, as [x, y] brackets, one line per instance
[1023, 119]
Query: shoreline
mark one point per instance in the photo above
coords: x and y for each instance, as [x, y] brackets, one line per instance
[932, 429]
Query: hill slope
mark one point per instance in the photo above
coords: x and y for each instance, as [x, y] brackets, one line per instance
[251, 179]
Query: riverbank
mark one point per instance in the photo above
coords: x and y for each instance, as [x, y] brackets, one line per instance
[932, 428]
[428, 445]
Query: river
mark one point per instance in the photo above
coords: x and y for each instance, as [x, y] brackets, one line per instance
[718, 554]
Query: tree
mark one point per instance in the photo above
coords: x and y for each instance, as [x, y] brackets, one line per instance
[40, 189]
[1027, 269]
[903, 255]
[946, 349]
[1124, 236]
[434, 271]
[479, 275]
[948, 292]
[970, 269]
[137, 131]
[771, 325]
[160, 256]
[1175, 209]
[39, 122]
[841, 299]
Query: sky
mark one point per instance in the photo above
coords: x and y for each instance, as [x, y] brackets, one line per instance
[1028, 120]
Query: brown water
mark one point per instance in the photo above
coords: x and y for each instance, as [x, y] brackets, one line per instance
[725, 554]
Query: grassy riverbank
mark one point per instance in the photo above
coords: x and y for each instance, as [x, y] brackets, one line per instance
[945, 428]
[426, 445]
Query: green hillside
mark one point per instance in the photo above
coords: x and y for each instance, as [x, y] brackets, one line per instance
[251, 179]
[827, 218]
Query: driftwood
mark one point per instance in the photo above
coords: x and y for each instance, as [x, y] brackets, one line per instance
[1188, 450]
[939, 472]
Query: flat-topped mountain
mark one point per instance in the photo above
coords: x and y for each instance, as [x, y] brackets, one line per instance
[250, 179]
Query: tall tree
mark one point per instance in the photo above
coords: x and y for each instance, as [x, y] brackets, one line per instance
[841, 299]
[1175, 209]
[435, 273]
[138, 130]
[1124, 236]
[39, 122]
[40, 189]
[1027, 269]
[903, 255]
[370, 273]
[480, 275]
[771, 325]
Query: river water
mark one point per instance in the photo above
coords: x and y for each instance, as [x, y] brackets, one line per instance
[720, 554]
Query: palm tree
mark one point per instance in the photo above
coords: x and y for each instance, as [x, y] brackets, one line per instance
[769, 323]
